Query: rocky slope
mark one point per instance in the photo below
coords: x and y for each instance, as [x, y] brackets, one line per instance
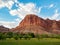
[35, 24]
[4, 29]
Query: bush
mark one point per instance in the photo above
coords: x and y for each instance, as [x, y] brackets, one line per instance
[9, 34]
[44, 36]
[27, 36]
[20, 36]
[31, 34]
[16, 36]
[37, 36]
[2, 36]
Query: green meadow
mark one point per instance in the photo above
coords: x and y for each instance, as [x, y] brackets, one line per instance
[32, 41]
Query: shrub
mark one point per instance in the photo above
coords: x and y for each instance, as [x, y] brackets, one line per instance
[9, 34]
[20, 36]
[44, 36]
[15, 36]
[2, 36]
[27, 36]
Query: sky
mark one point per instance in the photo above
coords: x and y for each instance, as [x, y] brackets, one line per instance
[12, 12]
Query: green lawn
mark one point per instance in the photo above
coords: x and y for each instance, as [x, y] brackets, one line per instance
[45, 41]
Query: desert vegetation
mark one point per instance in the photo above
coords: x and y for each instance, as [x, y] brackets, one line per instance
[11, 38]
[16, 36]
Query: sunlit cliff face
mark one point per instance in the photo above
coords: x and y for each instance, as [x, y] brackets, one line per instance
[35, 24]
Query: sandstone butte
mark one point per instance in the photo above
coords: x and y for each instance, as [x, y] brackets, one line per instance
[33, 23]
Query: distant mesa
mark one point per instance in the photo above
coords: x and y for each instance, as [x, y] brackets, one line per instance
[4, 29]
[33, 23]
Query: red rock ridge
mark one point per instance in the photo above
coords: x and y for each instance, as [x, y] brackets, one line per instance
[35, 24]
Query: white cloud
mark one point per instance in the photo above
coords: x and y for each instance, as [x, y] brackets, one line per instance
[56, 14]
[23, 9]
[39, 10]
[13, 12]
[6, 3]
[9, 4]
[16, 1]
[8, 24]
[51, 5]
[18, 20]
[1, 4]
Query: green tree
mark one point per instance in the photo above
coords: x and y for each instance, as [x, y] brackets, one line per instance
[9, 34]
[20, 36]
[27, 36]
[2, 36]
[38, 36]
[16, 36]
[44, 35]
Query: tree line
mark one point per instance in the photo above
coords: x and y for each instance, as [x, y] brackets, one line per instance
[26, 36]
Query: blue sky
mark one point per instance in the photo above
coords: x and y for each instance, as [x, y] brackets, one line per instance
[13, 11]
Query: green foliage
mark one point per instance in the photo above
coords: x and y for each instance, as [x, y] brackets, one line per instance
[2, 36]
[16, 36]
[20, 36]
[9, 34]
[38, 36]
[44, 35]
[31, 34]
[27, 36]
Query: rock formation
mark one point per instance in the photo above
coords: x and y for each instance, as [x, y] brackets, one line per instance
[35, 24]
[4, 29]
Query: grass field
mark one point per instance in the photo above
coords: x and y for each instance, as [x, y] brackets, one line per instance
[33, 41]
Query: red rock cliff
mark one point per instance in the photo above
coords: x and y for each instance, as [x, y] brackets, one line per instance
[35, 24]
